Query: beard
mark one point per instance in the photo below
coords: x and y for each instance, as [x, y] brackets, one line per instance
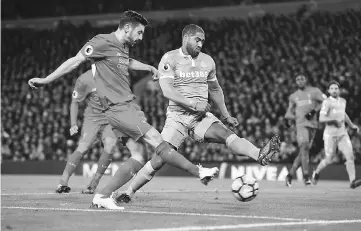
[192, 51]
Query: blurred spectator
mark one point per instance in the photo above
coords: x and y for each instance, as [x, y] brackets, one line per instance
[18, 9]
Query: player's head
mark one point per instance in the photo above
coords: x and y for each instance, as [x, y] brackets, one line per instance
[301, 81]
[193, 37]
[334, 89]
[133, 25]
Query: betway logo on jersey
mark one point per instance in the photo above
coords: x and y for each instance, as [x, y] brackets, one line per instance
[183, 74]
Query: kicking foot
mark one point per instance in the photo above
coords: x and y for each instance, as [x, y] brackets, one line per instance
[104, 203]
[355, 183]
[315, 177]
[289, 181]
[122, 198]
[207, 174]
[62, 189]
[88, 190]
[268, 150]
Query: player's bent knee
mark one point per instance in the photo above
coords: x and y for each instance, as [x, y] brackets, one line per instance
[163, 147]
[156, 162]
[217, 133]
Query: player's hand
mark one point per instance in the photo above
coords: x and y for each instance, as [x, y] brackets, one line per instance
[201, 106]
[154, 71]
[36, 82]
[310, 114]
[231, 122]
[73, 130]
[355, 127]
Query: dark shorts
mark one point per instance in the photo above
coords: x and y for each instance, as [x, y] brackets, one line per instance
[305, 135]
[127, 120]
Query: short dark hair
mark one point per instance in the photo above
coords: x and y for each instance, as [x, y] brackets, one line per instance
[299, 75]
[192, 29]
[133, 17]
[332, 83]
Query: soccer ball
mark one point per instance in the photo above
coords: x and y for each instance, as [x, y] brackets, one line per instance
[245, 188]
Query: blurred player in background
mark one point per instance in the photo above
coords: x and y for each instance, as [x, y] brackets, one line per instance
[94, 124]
[109, 54]
[304, 104]
[187, 76]
[333, 114]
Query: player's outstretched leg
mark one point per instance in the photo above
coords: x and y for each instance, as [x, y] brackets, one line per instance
[152, 166]
[172, 157]
[217, 133]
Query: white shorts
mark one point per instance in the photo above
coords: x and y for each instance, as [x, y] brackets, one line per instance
[342, 142]
[178, 126]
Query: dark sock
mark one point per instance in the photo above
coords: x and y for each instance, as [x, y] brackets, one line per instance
[125, 172]
[172, 157]
[71, 164]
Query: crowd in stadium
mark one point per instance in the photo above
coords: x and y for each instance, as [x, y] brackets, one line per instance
[256, 61]
[18, 9]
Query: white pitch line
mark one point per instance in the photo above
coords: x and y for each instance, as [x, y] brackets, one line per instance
[150, 191]
[155, 212]
[257, 225]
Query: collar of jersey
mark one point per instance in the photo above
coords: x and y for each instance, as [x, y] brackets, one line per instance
[115, 39]
[187, 56]
[333, 98]
[184, 55]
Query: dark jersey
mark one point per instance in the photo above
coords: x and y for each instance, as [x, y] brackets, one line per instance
[110, 60]
[305, 101]
[85, 90]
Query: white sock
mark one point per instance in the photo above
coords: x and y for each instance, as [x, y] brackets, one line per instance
[241, 146]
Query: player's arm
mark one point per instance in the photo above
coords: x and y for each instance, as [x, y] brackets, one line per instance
[166, 81]
[290, 113]
[166, 84]
[94, 49]
[79, 95]
[349, 122]
[215, 92]
[319, 98]
[135, 65]
[74, 109]
[65, 68]
[217, 97]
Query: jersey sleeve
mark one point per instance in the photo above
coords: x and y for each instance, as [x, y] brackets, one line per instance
[290, 113]
[319, 96]
[166, 67]
[94, 48]
[325, 108]
[80, 91]
[212, 74]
